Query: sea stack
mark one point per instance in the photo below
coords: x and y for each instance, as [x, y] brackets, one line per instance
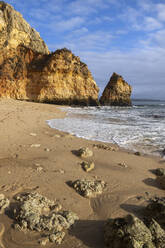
[117, 92]
[28, 71]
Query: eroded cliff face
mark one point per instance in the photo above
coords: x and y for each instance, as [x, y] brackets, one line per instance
[29, 72]
[59, 77]
[64, 79]
[14, 30]
[117, 92]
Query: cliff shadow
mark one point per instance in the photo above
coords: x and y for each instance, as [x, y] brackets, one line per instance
[36, 75]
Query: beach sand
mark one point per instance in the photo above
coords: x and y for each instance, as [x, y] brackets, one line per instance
[34, 157]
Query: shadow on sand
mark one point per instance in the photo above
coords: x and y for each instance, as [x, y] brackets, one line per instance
[136, 210]
[152, 182]
[90, 232]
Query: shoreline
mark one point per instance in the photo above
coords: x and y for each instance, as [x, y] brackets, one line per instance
[122, 148]
[37, 158]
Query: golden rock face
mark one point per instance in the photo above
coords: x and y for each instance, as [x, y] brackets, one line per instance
[59, 77]
[14, 30]
[29, 72]
[117, 92]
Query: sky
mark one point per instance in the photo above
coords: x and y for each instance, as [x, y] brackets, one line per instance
[122, 36]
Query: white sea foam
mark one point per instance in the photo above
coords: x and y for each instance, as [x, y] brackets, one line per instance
[139, 128]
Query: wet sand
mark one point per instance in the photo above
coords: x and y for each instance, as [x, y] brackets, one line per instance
[34, 157]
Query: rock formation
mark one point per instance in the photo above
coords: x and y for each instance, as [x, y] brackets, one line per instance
[29, 72]
[117, 92]
[14, 30]
[89, 188]
[131, 232]
[37, 213]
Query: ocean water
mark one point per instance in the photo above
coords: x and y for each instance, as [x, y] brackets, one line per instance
[138, 128]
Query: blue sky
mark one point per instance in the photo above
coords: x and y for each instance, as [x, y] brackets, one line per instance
[122, 36]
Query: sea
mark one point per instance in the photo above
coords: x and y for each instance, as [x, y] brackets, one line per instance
[137, 128]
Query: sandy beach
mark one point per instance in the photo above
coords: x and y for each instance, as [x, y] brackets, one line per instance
[36, 158]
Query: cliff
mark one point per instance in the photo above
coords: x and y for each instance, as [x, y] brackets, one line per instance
[59, 77]
[14, 30]
[117, 92]
[29, 72]
[64, 79]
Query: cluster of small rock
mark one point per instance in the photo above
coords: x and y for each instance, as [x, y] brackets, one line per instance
[84, 152]
[88, 166]
[105, 147]
[160, 171]
[131, 232]
[156, 209]
[36, 212]
[89, 188]
[4, 203]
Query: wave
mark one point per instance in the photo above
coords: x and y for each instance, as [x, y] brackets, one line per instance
[132, 128]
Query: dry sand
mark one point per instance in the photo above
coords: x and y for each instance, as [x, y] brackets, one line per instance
[47, 168]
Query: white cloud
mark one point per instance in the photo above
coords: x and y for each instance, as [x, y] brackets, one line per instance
[80, 31]
[97, 40]
[161, 11]
[158, 37]
[86, 7]
[107, 18]
[141, 20]
[146, 5]
[131, 15]
[150, 24]
[79, 8]
[69, 24]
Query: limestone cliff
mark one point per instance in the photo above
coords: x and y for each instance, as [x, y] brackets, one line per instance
[59, 77]
[14, 30]
[117, 92]
[63, 78]
[29, 72]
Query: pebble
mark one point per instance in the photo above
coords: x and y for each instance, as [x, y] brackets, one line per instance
[87, 166]
[84, 152]
[33, 134]
[105, 147]
[123, 164]
[39, 169]
[47, 150]
[137, 153]
[57, 136]
[15, 156]
[35, 145]
[37, 164]
[43, 241]
[60, 171]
